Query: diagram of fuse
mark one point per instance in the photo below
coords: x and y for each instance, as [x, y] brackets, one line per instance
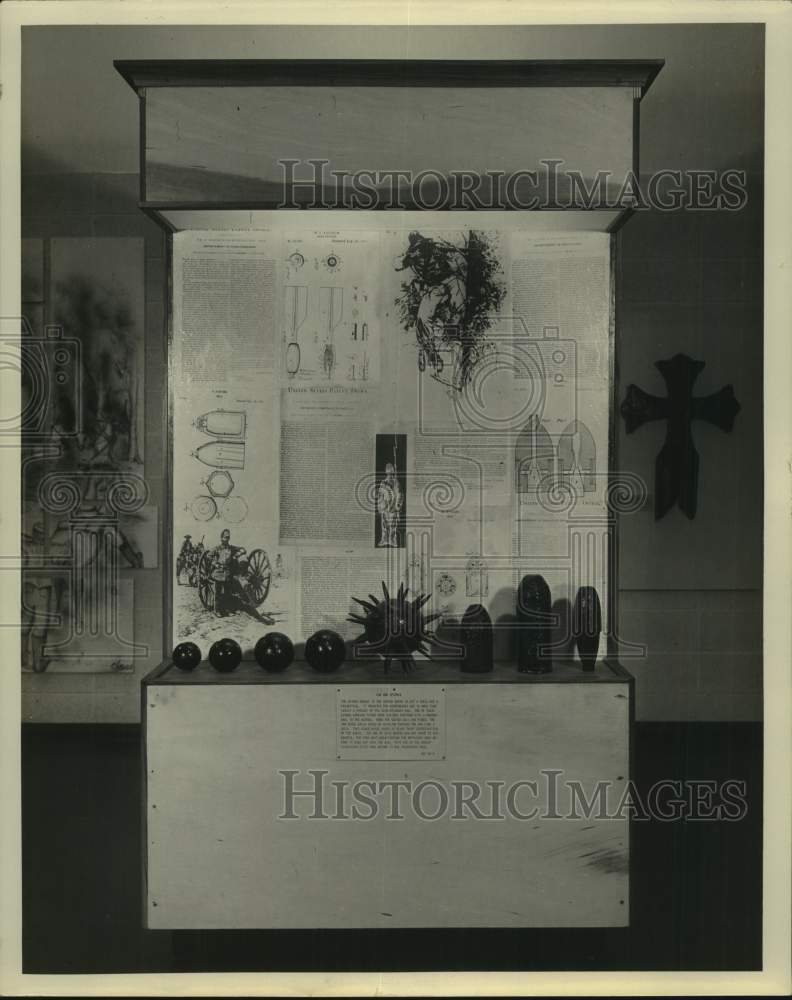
[330, 321]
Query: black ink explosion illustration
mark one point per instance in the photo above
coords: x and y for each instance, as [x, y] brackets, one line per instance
[450, 299]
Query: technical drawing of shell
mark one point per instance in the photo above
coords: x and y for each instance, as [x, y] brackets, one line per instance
[234, 510]
[222, 454]
[222, 423]
[203, 508]
[293, 358]
[219, 483]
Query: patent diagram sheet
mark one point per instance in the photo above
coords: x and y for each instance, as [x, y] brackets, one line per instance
[230, 575]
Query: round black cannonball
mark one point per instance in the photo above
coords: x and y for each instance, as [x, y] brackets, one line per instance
[274, 652]
[225, 655]
[325, 651]
[186, 656]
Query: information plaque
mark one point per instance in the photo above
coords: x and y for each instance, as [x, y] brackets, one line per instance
[391, 723]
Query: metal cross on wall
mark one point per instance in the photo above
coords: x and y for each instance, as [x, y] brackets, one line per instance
[677, 463]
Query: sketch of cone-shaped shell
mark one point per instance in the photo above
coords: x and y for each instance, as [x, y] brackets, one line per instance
[222, 423]
[534, 457]
[577, 456]
[222, 454]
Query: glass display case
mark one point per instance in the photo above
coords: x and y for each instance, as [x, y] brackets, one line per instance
[390, 418]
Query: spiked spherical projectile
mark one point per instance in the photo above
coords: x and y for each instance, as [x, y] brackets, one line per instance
[393, 627]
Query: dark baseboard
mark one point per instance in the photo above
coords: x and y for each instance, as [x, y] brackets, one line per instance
[83, 731]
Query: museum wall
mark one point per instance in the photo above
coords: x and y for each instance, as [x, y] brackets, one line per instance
[690, 590]
[105, 205]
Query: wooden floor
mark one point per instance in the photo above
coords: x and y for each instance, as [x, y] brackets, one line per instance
[696, 886]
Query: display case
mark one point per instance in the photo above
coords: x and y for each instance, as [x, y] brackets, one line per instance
[391, 358]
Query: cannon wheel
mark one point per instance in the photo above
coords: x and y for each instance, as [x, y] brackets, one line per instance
[192, 566]
[259, 576]
[206, 585]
